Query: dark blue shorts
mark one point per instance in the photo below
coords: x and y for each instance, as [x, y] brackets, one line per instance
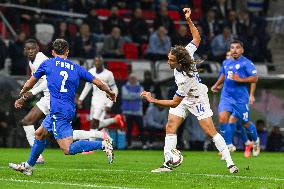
[59, 125]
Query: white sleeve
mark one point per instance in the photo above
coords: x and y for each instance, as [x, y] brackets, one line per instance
[39, 88]
[191, 48]
[182, 91]
[86, 90]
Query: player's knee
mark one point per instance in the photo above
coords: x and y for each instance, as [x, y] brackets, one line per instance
[171, 128]
[66, 151]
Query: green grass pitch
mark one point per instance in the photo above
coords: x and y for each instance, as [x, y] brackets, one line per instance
[131, 169]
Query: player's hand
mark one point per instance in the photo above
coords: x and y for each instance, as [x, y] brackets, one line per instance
[251, 100]
[27, 95]
[19, 103]
[147, 95]
[187, 13]
[236, 77]
[215, 89]
[112, 96]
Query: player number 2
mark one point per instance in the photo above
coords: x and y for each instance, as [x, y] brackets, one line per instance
[65, 77]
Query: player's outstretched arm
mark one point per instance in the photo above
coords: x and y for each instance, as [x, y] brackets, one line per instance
[29, 84]
[164, 103]
[215, 88]
[110, 94]
[194, 31]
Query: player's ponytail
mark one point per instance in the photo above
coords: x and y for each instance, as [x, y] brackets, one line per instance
[60, 46]
[188, 64]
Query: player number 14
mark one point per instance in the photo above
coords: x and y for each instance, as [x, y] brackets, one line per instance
[65, 77]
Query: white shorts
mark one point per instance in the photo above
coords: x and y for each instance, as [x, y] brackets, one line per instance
[44, 104]
[200, 107]
[98, 112]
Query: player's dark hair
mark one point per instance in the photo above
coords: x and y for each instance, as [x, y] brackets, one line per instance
[188, 64]
[60, 46]
[236, 41]
[31, 41]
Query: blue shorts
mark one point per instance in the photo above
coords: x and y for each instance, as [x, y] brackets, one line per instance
[238, 110]
[59, 125]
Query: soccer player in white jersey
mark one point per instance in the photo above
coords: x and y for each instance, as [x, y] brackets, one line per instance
[100, 103]
[31, 50]
[191, 96]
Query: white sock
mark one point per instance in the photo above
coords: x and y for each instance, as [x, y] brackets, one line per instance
[170, 143]
[84, 135]
[222, 147]
[30, 134]
[106, 122]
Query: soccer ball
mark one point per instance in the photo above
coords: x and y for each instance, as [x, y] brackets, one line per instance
[174, 158]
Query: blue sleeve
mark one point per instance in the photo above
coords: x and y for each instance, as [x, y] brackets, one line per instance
[250, 69]
[41, 70]
[85, 75]
[222, 70]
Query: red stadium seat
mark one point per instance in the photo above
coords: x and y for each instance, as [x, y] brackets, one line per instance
[148, 15]
[84, 119]
[130, 51]
[119, 70]
[124, 12]
[174, 15]
[72, 28]
[103, 12]
[143, 49]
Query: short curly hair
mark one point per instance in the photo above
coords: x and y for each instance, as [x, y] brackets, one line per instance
[60, 46]
[188, 64]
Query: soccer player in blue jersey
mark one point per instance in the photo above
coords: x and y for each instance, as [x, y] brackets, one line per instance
[236, 74]
[63, 78]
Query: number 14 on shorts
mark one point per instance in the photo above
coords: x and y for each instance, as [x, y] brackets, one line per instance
[200, 108]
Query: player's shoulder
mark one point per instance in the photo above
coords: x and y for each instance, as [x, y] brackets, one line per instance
[226, 62]
[247, 61]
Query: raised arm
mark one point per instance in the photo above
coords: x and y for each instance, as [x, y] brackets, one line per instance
[194, 31]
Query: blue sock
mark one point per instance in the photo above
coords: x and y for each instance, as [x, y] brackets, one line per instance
[231, 129]
[252, 131]
[225, 131]
[243, 134]
[36, 150]
[84, 146]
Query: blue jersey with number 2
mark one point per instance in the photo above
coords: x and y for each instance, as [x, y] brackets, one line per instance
[63, 78]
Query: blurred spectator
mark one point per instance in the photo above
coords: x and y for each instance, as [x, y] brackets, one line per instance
[94, 22]
[114, 20]
[221, 9]
[113, 45]
[163, 19]
[16, 53]
[274, 142]
[220, 44]
[3, 53]
[233, 23]
[181, 37]
[210, 25]
[132, 108]
[203, 49]
[82, 6]
[159, 45]
[85, 43]
[147, 4]
[61, 31]
[150, 86]
[208, 4]
[3, 129]
[136, 24]
[262, 133]
[155, 121]
[44, 35]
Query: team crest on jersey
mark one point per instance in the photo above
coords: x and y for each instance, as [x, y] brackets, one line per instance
[237, 66]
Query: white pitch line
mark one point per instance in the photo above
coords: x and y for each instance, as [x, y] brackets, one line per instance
[65, 184]
[183, 173]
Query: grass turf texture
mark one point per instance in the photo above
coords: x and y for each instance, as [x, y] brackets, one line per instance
[131, 169]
